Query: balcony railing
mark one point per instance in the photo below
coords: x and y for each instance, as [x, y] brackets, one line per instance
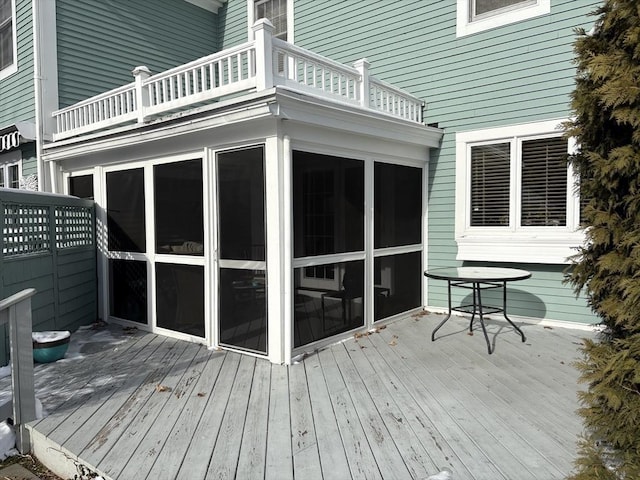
[253, 66]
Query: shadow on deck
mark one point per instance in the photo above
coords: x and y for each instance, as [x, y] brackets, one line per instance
[391, 404]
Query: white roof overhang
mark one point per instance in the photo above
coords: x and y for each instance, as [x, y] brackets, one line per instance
[11, 136]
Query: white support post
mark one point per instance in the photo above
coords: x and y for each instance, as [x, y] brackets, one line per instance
[362, 66]
[263, 33]
[16, 310]
[142, 91]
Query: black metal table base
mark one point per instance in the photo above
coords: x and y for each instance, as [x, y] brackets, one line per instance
[477, 308]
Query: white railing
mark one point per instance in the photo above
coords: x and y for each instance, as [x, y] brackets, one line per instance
[102, 111]
[254, 66]
[208, 78]
[16, 311]
[301, 69]
[389, 99]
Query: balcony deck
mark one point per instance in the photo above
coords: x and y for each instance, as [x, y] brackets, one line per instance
[255, 66]
[392, 404]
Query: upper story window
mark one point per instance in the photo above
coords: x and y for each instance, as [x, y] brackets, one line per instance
[7, 38]
[478, 15]
[515, 195]
[278, 12]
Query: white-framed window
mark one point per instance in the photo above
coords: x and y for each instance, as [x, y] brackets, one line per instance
[475, 16]
[10, 169]
[8, 41]
[516, 199]
[278, 12]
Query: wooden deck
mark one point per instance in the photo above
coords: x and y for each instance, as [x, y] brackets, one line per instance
[387, 405]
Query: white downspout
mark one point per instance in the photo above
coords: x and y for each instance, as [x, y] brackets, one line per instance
[45, 82]
[37, 84]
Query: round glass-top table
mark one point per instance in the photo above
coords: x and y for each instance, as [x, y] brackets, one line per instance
[478, 279]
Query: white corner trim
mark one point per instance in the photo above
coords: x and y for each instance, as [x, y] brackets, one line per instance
[464, 26]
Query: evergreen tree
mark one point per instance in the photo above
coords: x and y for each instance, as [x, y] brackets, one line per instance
[606, 124]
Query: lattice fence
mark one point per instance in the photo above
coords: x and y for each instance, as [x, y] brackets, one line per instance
[74, 227]
[26, 229]
[32, 229]
[47, 242]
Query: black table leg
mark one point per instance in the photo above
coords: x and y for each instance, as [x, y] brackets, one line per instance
[433, 334]
[475, 308]
[504, 311]
[476, 286]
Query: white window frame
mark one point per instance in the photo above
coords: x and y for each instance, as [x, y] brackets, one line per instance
[9, 160]
[513, 243]
[466, 25]
[251, 19]
[13, 68]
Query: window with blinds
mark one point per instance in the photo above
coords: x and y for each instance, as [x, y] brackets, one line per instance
[276, 12]
[490, 173]
[544, 182]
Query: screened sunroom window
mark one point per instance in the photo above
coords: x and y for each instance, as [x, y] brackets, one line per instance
[6, 34]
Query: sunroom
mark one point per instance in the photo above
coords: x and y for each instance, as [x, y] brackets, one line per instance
[263, 199]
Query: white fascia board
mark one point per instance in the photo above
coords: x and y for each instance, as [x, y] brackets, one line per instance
[325, 113]
[137, 136]
[210, 5]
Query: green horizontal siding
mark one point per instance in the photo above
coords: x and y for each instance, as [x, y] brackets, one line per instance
[17, 90]
[233, 23]
[100, 43]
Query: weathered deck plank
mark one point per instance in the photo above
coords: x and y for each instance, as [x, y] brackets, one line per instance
[279, 459]
[154, 393]
[224, 460]
[253, 449]
[306, 459]
[170, 457]
[154, 440]
[362, 462]
[198, 456]
[391, 404]
[332, 454]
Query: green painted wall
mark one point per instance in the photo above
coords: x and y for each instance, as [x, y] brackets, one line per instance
[233, 23]
[101, 41]
[17, 91]
[517, 73]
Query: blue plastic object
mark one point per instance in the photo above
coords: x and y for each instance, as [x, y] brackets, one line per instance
[47, 352]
